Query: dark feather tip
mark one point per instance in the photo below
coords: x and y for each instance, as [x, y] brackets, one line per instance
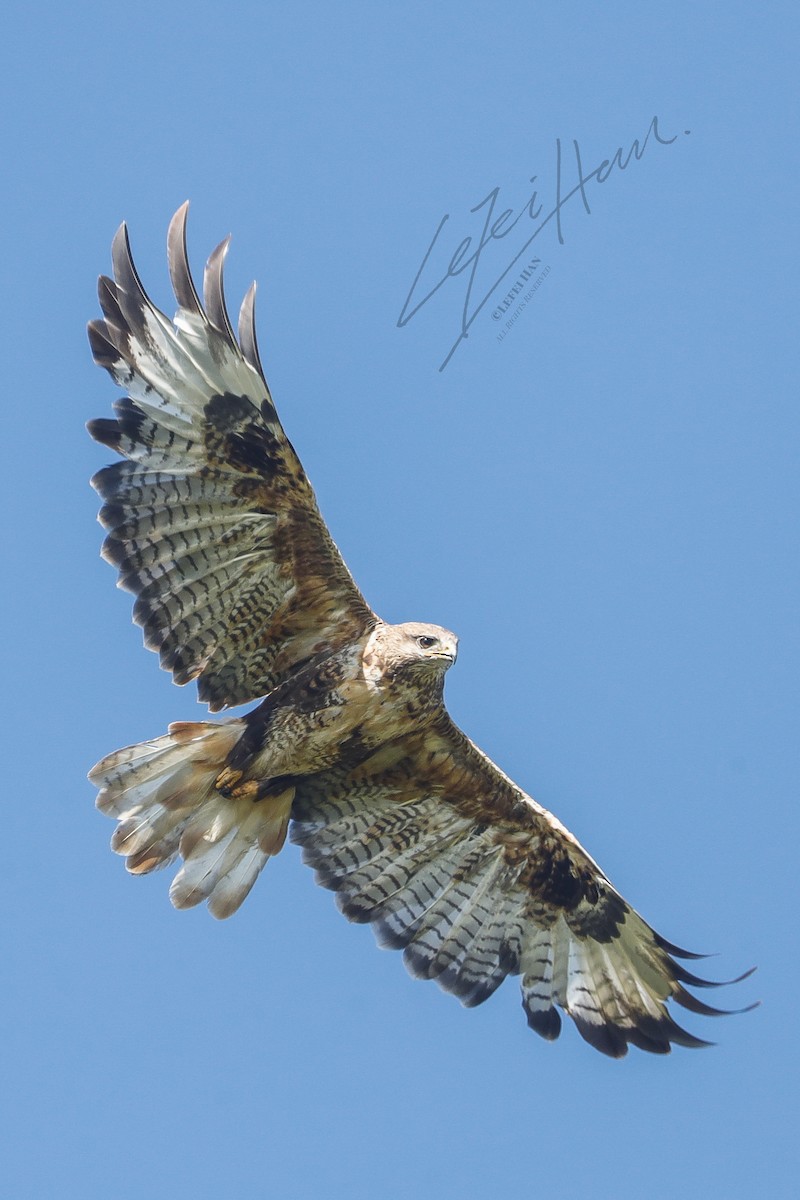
[178, 259]
[106, 481]
[214, 291]
[134, 303]
[109, 300]
[104, 351]
[685, 976]
[546, 1023]
[353, 908]
[130, 293]
[690, 1002]
[666, 1029]
[652, 1045]
[608, 1039]
[113, 552]
[671, 948]
[106, 431]
[470, 993]
[247, 332]
[387, 937]
[418, 962]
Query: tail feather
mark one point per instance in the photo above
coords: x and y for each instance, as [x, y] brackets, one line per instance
[163, 794]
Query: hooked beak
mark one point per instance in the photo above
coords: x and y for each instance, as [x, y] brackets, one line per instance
[448, 652]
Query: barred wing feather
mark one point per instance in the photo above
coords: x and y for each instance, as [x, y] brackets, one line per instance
[452, 863]
[211, 520]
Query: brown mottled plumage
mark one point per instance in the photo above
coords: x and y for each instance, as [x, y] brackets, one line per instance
[215, 529]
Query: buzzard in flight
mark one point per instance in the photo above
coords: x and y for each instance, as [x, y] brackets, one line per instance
[214, 527]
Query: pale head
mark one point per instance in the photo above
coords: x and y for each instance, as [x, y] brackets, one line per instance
[412, 647]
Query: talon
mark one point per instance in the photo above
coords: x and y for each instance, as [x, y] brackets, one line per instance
[249, 790]
[227, 780]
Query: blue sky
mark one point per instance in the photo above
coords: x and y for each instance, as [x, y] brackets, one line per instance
[603, 504]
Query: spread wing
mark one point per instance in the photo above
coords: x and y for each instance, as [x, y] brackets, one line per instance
[451, 861]
[211, 520]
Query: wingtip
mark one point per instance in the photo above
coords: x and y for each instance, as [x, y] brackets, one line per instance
[247, 330]
[104, 352]
[214, 289]
[178, 262]
[221, 250]
[745, 975]
[680, 973]
[544, 1021]
[129, 293]
[678, 951]
[695, 1005]
[120, 249]
[177, 225]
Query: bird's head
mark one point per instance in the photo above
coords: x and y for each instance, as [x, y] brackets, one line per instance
[413, 647]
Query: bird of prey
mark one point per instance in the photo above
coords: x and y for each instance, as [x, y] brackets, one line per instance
[214, 527]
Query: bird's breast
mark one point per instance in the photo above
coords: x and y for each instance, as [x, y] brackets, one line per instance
[313, 732]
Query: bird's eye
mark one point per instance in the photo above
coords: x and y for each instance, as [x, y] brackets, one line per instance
[425, 642]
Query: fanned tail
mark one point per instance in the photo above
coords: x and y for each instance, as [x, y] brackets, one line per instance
[165, 797]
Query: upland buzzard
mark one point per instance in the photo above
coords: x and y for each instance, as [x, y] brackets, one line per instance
[214, 528]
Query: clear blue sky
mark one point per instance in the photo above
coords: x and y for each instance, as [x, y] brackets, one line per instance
[603, 505]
